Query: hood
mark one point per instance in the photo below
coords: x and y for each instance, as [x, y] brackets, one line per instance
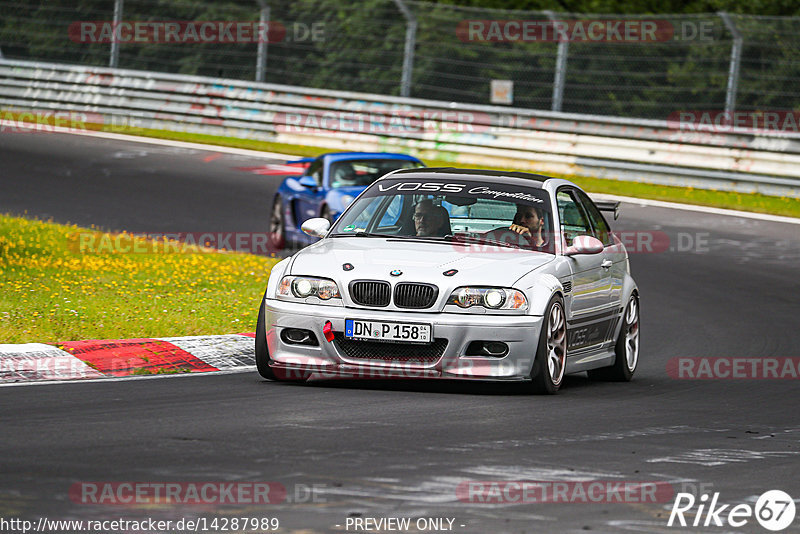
[373, 258]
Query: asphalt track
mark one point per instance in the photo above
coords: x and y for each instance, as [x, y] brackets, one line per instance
[376, 449]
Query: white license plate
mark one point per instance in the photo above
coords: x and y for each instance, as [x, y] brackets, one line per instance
[387, 331]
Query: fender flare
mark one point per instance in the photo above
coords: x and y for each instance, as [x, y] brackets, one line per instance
[541, 292]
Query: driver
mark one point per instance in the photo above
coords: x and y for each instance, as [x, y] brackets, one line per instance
[429, 219]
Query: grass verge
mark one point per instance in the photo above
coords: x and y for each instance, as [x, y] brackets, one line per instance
[50, 291]
[754, 202]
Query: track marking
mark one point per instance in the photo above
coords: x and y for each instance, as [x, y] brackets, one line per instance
[177, 144]
[701, 209]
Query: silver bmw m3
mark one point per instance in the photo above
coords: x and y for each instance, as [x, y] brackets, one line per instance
[455, 273]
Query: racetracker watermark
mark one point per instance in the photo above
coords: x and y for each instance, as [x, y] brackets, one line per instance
[733, 368]
[48, 121]
[193, 493]
[193, 32]
[170, 243]
[414, 366]
[548, 491]
[716, 121]
[27, 366]
[636, 31]
[394, 122]
[634, 241]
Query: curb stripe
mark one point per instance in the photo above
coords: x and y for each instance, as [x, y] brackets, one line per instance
[221, 352]
[115, 359]
[37, 361]
[135, 356]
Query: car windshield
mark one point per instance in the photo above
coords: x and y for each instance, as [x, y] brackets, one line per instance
[467, 210]
[362, 172]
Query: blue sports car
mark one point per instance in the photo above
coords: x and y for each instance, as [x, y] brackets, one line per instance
[328, 185]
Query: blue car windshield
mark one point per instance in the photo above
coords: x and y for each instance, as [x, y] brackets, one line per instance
[362, 172]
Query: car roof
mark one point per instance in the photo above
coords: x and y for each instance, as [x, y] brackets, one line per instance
[498, 177]
[337, 156]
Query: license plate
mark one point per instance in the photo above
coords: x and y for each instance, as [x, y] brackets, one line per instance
[387, 331]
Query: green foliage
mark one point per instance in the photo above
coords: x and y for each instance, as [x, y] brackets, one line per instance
[334, 44]
[770, 7]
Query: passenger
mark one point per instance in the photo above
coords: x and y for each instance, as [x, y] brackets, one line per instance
[527, 230]
[529, 222]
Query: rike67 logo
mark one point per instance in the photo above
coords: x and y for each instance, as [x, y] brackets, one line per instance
[774, 510]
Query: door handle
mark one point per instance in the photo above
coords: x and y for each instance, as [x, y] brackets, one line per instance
[606, 264]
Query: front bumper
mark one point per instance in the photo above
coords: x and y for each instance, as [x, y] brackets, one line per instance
[520, 333]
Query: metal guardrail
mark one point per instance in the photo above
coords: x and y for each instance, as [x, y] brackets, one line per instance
[540, 141]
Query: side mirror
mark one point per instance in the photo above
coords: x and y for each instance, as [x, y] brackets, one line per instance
[584, 244]
[318, 227]
[307, 181]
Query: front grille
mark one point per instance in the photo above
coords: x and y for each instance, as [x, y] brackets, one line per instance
[370, 292]
[389, 351]
[411, 295]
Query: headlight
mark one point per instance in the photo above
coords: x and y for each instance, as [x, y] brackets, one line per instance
[302, 287]
[346, 200]
[494, 298]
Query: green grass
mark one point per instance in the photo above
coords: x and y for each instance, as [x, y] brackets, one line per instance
[719, 199]
[50, 291]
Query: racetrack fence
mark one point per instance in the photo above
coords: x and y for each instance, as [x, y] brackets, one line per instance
[617, 65]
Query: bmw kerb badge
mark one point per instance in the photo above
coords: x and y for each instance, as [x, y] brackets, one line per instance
[396, 272]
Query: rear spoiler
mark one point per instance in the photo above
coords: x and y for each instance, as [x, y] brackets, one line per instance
[608, 205]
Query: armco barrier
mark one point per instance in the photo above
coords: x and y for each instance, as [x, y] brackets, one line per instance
[541, 141]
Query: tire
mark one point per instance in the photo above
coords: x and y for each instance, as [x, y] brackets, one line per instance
[626, 349]
[550, 362]
[262, 353]
[277, 225]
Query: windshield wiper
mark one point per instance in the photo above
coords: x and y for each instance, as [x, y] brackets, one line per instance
[358, 234]
[371, 234]
[449, 238]
[475, 239]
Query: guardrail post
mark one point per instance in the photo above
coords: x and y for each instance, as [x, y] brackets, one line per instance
[113, 61]
[561, 66]
[263, 38]
[733, 70]
[408, 51]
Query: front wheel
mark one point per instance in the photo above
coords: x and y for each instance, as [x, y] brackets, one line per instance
[626, 349]
[551, 353]
[262, 354]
